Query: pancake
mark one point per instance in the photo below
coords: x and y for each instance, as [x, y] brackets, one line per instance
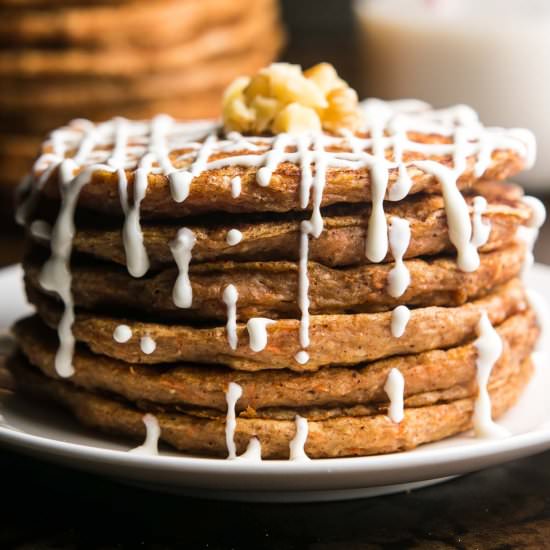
[205, 386]
[335, 437]
[214, 70]
[99, 23]
[211, 190]
[232, 38]
[334, 339]
[270, 289]
[342, 242]
[204, 103]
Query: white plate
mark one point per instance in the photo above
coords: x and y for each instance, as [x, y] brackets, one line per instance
[48, 433]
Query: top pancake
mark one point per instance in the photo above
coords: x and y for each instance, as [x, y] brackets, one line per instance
[190, 166]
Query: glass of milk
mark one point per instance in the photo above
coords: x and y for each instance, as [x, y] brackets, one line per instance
[491, 54]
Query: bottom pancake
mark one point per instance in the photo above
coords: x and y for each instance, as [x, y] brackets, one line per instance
[338, 436]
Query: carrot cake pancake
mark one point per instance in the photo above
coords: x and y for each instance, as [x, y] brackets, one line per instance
[311, 277]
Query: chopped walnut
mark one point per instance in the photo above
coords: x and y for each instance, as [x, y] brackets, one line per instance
[282, 98]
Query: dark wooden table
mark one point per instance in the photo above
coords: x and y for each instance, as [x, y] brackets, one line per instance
[500, 508]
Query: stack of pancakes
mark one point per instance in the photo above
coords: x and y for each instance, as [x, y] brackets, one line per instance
[67, 59]
[338, 295]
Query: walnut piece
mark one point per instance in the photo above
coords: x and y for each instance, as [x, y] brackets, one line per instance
[281, 98]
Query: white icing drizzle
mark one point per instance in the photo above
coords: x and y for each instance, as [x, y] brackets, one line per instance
[234, 236]
[181, 247]
[235, 186]
[395, 390]
[122, 334]
[56, 275]
[150, 445]
[230, 297]
[539, 305]
[180, 182]
[232, 395]
[458, 214]
[400, 317]
[273, 159]
[399, 277]
[257, 332]
[41, 229]
[481, 230]
[298, 442]
[302, 357]
[489, 347]
[303, 283]
[253, 451]
[147, 345]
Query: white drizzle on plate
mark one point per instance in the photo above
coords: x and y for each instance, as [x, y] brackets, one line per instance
[298, 442]
[150, 445]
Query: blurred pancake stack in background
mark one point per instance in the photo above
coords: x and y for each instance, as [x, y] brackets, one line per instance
[67, 59]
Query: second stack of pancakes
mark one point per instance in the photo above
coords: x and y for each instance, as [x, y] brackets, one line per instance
[176, 297]
[96, 60]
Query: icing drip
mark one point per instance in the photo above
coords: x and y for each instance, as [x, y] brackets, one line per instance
[400, 317]
[180, 181]
[273, 159]
[181, 246]
[480, 230]
[298, 443]
[147, 345]
[303, 283]
[302, 357]
[539, 305]
[232, 395]
[137, 260]
[56, 275]
[399, 277]
[377, 115]
[234, 236]
[230, 297]
[122, 334]
[236, 187]
[257, 332]
[395, 390]
[306, 158]
[253, 451]
[458, 214]
[150, 445]
[489, 348]
[402, 186]
[318, 185]
[41, 230]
